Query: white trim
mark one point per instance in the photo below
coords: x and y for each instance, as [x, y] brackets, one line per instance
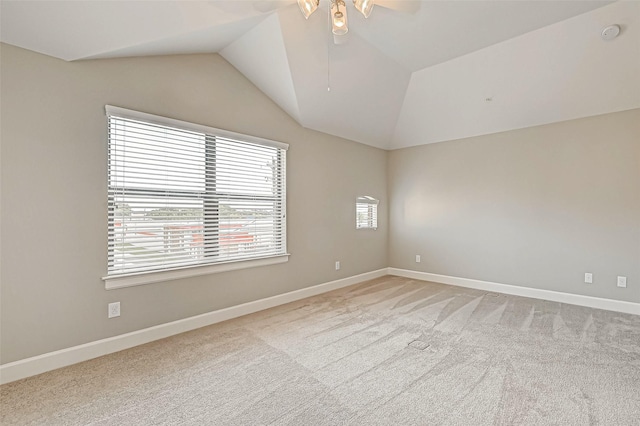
[50, 361]
[130, 280]
[185, 125]
[535, 293]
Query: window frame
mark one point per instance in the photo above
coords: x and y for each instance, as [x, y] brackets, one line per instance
[126, 279]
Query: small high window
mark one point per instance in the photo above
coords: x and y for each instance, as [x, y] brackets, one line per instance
[366, 212]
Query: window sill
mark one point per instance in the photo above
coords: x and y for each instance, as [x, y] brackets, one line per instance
[130, 280]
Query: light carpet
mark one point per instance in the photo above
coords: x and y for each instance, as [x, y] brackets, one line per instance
[391, 351]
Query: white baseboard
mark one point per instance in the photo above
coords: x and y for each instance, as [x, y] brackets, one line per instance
[50, 361]
[535, 293]
[53, 360]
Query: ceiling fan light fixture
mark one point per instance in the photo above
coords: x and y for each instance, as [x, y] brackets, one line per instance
[338, 18]
[364, 6]
[307, 7]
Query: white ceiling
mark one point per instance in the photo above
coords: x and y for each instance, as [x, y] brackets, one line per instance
[400, 78]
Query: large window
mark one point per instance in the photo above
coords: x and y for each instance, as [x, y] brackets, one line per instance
[183, 195]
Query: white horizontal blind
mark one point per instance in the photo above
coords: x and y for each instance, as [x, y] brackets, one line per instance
[366, 212]
[180, 197]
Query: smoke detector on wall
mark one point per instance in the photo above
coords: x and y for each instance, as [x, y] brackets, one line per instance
[610, 32]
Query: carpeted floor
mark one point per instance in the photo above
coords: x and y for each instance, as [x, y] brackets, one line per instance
[392, 351]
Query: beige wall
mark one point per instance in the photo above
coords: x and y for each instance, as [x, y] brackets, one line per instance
[53, 212]
[536, 207]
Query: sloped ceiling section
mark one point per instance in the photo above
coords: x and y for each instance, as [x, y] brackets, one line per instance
[559, 72]
[251, 53]
[349, 90]
[415, 72]
[73, 30]
[442, 30]
[203, 40]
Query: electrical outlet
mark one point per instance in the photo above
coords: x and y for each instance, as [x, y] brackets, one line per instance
[622, 281]
[337, 265]
[417, 258]
[114, 310]
[588, 277]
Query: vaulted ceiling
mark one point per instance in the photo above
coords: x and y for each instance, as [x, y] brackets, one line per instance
[413, 73]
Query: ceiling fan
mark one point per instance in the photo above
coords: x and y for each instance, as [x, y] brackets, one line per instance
[338, 10]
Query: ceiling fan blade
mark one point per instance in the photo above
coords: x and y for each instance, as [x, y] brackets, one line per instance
[271, 5]
[407, 6]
